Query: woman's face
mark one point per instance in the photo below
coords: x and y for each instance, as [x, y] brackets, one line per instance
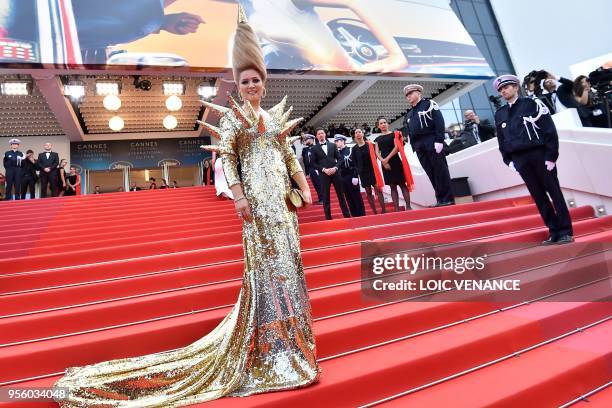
[63, 163]
[250, 86]
[358, 135]
[383, 125]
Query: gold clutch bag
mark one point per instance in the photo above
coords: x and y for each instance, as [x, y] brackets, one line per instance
[295, 199]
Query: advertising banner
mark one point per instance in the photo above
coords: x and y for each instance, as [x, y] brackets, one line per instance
[138, 154]
[318, 36]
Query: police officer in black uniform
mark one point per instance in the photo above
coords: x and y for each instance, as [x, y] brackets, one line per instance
[310, 170]
[426, 130]
[349, 177]
[13, 164]
[529, 144]
[29, 175]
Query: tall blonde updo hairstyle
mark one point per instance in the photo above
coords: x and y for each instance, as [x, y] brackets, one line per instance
[246, 53]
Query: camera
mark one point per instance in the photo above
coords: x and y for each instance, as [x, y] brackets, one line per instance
[496, 101]
[601, 82]
[468, 125]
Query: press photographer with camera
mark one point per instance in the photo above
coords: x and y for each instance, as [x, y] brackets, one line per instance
[601, 84]
[475, 131]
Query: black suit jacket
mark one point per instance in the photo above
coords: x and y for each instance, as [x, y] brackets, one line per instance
[321, 161]
[52, 162]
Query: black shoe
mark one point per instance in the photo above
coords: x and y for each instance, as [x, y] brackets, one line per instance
[550, 241]
[565, 239]
[444, 204]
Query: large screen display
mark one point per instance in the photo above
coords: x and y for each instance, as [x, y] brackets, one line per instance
[319, 36]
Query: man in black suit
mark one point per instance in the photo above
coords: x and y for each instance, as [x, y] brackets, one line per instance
[350, 178]
[325, 158]
[309, 168]
[47, 164]
[29, 176]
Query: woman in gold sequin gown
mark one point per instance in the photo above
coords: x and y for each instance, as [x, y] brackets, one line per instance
[266, 342]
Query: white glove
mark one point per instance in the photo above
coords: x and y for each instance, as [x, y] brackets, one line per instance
[511, 165]
[549, 165]
[438, 147]
[355, 181]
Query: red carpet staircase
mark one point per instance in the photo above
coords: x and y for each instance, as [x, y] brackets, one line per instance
[93, 278]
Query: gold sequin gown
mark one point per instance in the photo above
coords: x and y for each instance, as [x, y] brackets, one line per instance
[266, 342]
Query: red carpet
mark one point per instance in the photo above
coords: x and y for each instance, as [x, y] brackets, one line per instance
[85, 279]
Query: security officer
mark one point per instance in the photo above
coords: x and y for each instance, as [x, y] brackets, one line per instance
[529, 144]
[310, 170]
[426, 130]
[13, 164]
[349, 177]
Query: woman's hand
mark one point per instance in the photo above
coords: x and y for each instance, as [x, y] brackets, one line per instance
[307, 197]
[243, 209]
[386, 165]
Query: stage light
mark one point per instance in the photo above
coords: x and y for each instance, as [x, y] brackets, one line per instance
[16, 88]
[174, 103]
[170, 122]
[116, 123]
[74, 90]
[207, 90]
[173, 88]
[111, 102]
[104, 88]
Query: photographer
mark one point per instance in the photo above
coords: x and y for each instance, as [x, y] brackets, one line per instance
[475, 131]
[601, 83]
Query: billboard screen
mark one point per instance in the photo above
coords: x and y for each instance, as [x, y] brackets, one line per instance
[319, 36]
[138, 154]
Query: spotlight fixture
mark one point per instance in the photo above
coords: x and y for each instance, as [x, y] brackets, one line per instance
[207, 90]
[142, 84]
[104, 88]
[16, 88]
[116, 123]
[571, 203]
[173, 88]
[170, 122]
[174, 103]
[111, 102]
[75, 90]
[600, 211]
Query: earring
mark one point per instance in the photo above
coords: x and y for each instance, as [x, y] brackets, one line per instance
[265, 92]
[240, 97]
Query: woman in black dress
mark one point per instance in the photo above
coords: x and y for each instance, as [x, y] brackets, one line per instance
[73, 182]
[360, 155]
[209, 173]
[61, 177]
[393, 171]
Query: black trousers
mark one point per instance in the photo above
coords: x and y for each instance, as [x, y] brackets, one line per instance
[28, 182]
[353, 196]
[45, 180]
[316, 182]
[326, 182]
[539, 181]
[13, 180]
[436, 167]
